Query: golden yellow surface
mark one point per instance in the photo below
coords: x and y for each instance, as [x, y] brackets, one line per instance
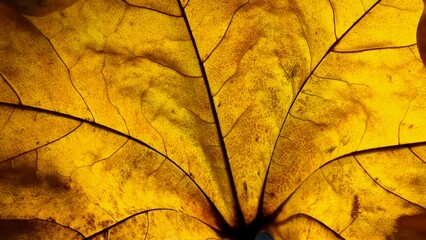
[159, 224]
[143, 119]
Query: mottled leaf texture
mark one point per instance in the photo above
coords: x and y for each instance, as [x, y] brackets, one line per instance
[195, 119]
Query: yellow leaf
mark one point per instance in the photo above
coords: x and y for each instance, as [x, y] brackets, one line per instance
[143, 119]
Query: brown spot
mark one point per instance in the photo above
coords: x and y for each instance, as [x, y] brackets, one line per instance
[106, 223]
[330, 150]
[355, 207]
[345, 141]
[90, 219]
[415, 181]
[380, 209]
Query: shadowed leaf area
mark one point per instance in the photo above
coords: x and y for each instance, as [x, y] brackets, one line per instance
[193, 119]
[411, 227]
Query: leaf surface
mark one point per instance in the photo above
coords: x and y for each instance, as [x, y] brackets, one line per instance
[193, 120]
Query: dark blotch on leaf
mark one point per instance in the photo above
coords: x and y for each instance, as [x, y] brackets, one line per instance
[355, 207]
[13, 229]
[38, 7]
[30, 229]
[411, 227]
[421, 36]
[55, 181]
[23, 175]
